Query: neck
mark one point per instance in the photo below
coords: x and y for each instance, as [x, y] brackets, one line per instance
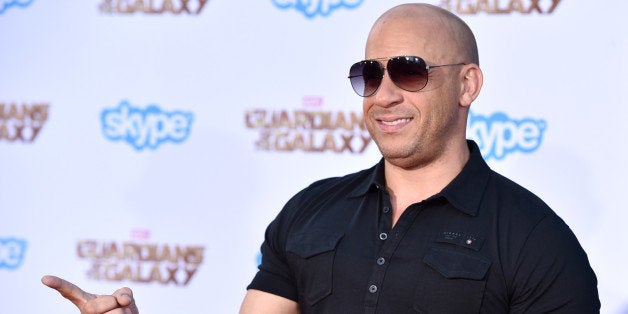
[412, 185]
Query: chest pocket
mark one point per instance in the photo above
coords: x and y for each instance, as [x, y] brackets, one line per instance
[454, 282]
[311, 256]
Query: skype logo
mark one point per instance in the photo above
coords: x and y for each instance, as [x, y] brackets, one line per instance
[12, 252]
[499, 135]
[145, 128]
[312, 8]
[6, 4]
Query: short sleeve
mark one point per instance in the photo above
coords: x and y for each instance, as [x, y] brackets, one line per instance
[274, 275]
[553, 273]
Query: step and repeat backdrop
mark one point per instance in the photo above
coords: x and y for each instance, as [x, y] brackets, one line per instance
[149, 143]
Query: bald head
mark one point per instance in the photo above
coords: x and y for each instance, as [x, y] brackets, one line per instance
[444, 36]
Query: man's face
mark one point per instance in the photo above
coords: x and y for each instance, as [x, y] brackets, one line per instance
[412, 129]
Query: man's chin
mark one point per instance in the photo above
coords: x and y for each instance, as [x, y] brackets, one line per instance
[405, 159]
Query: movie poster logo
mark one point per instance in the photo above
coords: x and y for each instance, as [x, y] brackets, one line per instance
[498, 135]
[12, 252]
[155, 7]
[22, 122]
[312, 8]
[140, 262]
[145, 127]
[311, 130]
[500, 6]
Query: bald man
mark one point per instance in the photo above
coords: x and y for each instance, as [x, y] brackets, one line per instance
[430, 228]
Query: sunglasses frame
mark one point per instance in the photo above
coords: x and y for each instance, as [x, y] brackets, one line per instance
[384, 69]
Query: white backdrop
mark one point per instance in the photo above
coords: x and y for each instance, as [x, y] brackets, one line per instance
[138, 145]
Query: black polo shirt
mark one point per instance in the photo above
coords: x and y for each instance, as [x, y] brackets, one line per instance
[483, 244]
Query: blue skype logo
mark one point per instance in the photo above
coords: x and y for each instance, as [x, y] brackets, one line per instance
[312, 8]
[498, 135]
[6, 4]
[145, 128]
[12, 252]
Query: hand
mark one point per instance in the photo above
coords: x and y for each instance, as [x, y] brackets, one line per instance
[120, 302]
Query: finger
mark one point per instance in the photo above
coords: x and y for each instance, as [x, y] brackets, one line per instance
[124, 296]
[125, 299]
[102, 304]
[68, 290]
[120, 302]
[121, 311]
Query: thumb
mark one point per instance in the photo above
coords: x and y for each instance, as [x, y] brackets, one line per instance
[124, 296]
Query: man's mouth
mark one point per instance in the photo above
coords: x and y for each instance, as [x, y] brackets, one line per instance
[395, 122]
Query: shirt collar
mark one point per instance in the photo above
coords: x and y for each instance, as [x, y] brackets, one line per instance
[374, 179]
[464, 192]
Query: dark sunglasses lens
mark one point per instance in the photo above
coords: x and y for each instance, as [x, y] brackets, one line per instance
[409, 73]
[365, 77]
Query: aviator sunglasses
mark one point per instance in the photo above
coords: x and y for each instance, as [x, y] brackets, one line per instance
[409, 73]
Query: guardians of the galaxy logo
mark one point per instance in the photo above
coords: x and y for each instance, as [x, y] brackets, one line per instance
[22, 122]
[308, 130]
[500, 6]
[141, 262]
[190, 7]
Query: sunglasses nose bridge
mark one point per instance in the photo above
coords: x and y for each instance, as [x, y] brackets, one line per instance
[388, 91]
[386, 76]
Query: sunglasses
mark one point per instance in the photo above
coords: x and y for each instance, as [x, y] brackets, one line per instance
[409, 73]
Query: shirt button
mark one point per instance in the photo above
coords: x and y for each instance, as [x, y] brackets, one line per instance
[381, 261]
[373, 289]
[386, 210]
[383, 236]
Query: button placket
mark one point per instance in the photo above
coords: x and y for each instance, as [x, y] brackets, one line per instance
[389, 243]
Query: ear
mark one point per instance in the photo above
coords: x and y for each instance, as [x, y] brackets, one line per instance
[471, 80]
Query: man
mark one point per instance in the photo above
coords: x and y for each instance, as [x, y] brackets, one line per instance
[430, 229]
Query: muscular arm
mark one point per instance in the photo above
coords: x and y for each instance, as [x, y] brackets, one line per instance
[259, 302]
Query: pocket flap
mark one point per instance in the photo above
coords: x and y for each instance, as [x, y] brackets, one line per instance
[309, 244]
[452, 264]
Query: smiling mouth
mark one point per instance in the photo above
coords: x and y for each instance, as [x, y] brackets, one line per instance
[395, 122]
